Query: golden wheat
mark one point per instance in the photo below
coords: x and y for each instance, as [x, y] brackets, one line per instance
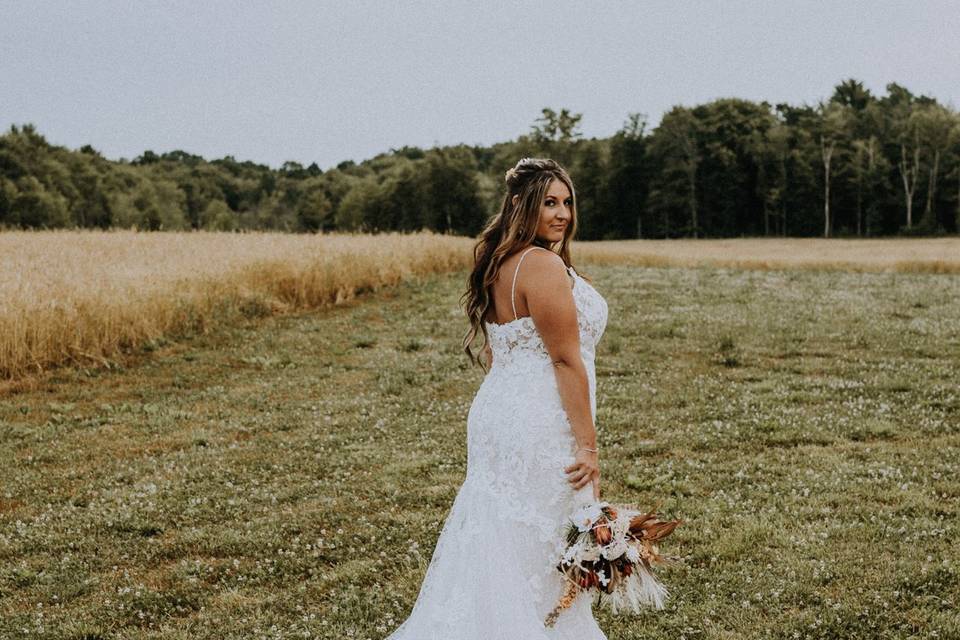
[83, 296]
[914, 255]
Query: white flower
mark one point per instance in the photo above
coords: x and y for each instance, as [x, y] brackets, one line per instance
[620, 526]
[584, 516]
[572, 552]
[591, 553]
[616, 548]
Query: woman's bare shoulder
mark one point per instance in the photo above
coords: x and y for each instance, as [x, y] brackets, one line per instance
[545, 259]
[545, 265]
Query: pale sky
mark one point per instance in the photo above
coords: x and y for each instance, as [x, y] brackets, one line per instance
[330, 81]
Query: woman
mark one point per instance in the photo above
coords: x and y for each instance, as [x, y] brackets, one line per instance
[531, 439]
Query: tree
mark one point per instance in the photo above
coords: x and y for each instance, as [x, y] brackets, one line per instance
[217, 216]
[674, 144]
[726, 179]
[554, 134]
[898, 105]
[454, 196]
[90, 207]
[557, 127]
[359, 207]
[724, 168]
[148, 157]
[771, 148]
[835, 122]
[933, 125]
[865, 154]
[8, 194]
[406, 196]
[200, 188]
[313, 207]
[292, 169]
[171, 205]
[35, 206]
[801, 207]
[909, 169]
[590, 169]
[627, 179]
[955, 150]
[851, 93]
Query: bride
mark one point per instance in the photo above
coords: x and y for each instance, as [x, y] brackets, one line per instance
[531, 437]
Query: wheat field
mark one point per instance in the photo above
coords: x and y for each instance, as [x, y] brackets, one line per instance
[82, 297]
[903, 255]
[87, 298]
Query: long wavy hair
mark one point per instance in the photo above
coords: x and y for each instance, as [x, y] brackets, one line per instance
[510, 230]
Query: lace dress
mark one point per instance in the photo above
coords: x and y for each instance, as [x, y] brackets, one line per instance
[493, 572]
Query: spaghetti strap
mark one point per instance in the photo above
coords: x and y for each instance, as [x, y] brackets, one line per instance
[514, 286]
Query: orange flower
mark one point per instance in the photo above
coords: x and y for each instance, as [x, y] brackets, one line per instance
[569, 593]
[602, 533]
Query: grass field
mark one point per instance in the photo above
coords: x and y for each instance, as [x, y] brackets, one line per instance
[286, 477]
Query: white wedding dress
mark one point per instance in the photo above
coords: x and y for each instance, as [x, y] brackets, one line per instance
[493, 573]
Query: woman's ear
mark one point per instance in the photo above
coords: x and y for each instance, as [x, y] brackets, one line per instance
[513, 201]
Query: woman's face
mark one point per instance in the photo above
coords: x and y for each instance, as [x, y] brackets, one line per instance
[556, 212]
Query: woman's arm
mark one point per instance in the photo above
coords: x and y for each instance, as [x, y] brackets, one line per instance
[550, 302]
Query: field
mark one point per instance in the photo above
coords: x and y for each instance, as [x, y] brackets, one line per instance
[87, 298]
[285, 476]
[905, 255]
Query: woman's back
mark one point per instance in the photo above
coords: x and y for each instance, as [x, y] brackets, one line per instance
[508, 292]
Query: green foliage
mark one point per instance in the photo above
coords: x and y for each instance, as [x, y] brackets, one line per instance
[217, 216]
[314, 209]
[557, 127]
[729, 167]
[359, 206]
[625, 187]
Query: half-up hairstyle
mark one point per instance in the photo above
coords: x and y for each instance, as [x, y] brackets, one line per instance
[511, 229]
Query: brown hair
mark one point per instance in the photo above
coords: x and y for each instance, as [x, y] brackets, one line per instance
[512, 229]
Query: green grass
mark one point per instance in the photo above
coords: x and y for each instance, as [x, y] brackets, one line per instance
[288, 478]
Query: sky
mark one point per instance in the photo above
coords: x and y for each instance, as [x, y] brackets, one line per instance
[326, 82]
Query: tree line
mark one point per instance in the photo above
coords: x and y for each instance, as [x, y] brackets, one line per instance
[854, 165]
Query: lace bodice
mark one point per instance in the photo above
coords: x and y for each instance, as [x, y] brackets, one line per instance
[512, 340]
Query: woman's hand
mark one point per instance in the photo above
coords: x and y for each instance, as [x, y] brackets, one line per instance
[584, 470]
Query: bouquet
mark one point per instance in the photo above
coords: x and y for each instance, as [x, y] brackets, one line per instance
[612, 550]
